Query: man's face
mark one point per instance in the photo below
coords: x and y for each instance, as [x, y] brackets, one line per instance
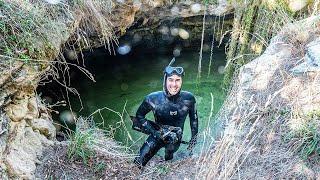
[174, 83]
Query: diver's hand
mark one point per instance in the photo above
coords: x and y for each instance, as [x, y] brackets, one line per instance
[171, 138]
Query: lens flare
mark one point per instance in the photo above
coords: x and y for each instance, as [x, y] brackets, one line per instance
[124, 49]
[176, 51]
[124, 86]
[221, 69]
[164, 30]
[183, 34]
[174, 31]
[137, 38]
[67, 117]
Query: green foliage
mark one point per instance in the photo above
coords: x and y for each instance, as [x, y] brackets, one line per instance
[310, 140]
[81, 145]
[307, 136]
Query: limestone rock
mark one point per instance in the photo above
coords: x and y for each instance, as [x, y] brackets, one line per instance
[18, 111]
[24, 150]
[4, 125]
[313, 52]
[33, 107]
[6, 74]
[311, 59]
[44, 126]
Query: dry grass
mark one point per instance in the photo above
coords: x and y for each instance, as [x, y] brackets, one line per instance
[37, 32]
[37, 29]
[88, 154]
[271, 132]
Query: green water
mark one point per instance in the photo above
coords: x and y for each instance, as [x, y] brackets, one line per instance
[123, 81]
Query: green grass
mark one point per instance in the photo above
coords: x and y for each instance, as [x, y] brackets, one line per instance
[306, 136]
[80, 146]
[310, 139]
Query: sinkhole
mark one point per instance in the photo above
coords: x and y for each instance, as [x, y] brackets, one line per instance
[123, 80]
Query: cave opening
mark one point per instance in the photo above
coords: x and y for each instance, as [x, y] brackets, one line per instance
[123, 79]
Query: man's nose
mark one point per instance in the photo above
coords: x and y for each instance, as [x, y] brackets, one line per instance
[175, 83]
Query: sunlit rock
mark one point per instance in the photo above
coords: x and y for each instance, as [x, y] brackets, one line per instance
[183, 34]
[18, 111]
[26, 146]
[164, 30]
[311, 59]
[71, 54]
[124, 86]
[297, 5]
[175, 10]
[174, 31]
[67, 117]
[33, 107]
[176, 52]
[195, 8]
[124, 49]
[221, 69]
[44, 126]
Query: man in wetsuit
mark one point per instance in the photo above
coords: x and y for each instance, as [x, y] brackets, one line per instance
[170, 107]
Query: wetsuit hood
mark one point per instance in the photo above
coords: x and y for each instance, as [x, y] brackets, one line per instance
[169, 71]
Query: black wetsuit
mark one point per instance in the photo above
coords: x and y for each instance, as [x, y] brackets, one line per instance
[167, 110]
